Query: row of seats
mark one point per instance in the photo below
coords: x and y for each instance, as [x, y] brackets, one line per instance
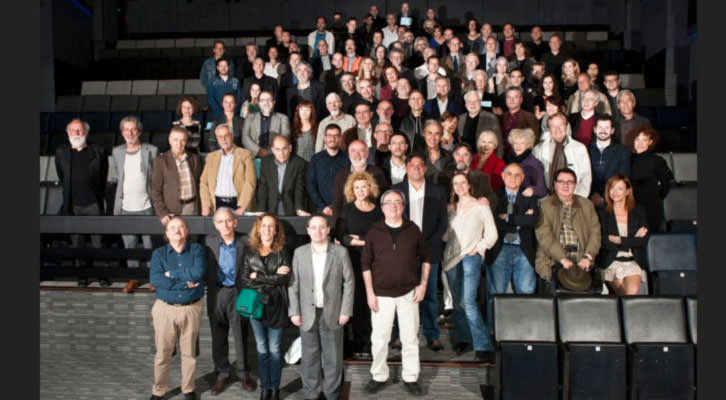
[109, 121]
[605, 347]
[142, 87]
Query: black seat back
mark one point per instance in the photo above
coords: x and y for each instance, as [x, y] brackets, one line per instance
[524, 318]
[654, 320]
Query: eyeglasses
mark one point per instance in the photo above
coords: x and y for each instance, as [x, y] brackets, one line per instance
[565, 183]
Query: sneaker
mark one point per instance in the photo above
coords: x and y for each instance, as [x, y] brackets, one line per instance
[413, 388]
[373, 386]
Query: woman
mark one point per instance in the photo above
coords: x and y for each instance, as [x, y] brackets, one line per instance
[553, 105]
[274, 68]
[381, 58]
[450, 137]
[500, 80]
[624, 235]
[229, 117]
[522, 141]
[486, 160]
[650, 176]
[400, 98]
[470, 232]
[252, 102]
[570, 70]
[547, 87]
[437, 39]
[357, 215]
[521, 60]
[266, 268]
[430, 22]
[185, 110]
[368, 70]
[437, 158]
[474, 43]
[389, 82]
[304, 129]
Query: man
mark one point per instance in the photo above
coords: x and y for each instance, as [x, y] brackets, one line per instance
[489, 58]
[209, 67]
[365, 32]
[351, 61]
[261, 127]
[82, 171]
[321, 303]
[379, 152]
[506, 44]
[258, 76]
[537, 47]
[426, 207]
[245, 67]
[411, 21]
[427, 84]
[177, 271]
[351, 32]
[225, 255]
[396, 57]
[281, 187]
[560, 151]
[476, 120]
[554, 58]
[320, 34]
[376, 40]
[607, 158]
[568, 232]
[364, 93]
[385, 113]
[611, 81]
[412, 124]
[516, 118]
[132, 163]
[331, 78]
[228, 179]
[306, 89]
[322, 61]
[574, 103]
[583, 122]
[276, 39]
[287, 80]
[629, 120]
[421, 71]
[322, 169]
[175, 179]
[512, 257]
[337, 27]
[467, 73]
[363, 129]
[378, 21]
[336, 116]
[390, 31]
[358, 156]
[454, 62]
[443, 101]
[347, 92]
[222, 84]
[535, 77]
[516, 80]
[416, 58]
[394, 167]
[481, 186]
[395, 264]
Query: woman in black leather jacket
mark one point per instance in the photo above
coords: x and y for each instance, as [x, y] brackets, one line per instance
[267, 268]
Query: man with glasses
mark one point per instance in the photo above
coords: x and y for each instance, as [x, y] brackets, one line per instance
[394, 287]
[334, 104]
[261, 127]
[568, 231]
[322, 169]
[281, 187]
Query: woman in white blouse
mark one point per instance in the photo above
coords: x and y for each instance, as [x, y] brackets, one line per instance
[274, 68]
[470, 233]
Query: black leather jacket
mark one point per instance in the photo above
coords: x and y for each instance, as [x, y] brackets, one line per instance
[266, 270]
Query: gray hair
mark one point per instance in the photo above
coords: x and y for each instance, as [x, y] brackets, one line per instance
[86, 127]
[332, 95]
[475, 92]
[216, 128]
[527, 134]
[624, 92]
[130, 118]
[393, 191]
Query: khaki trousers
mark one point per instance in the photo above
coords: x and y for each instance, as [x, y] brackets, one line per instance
[406, 310]
[172, 324]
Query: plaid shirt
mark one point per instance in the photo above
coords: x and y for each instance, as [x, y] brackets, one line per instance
[185, 178]
[567, 232]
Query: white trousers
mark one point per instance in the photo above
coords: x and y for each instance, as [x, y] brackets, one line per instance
[382, 323]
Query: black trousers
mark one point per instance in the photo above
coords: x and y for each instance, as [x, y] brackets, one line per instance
[221, 319]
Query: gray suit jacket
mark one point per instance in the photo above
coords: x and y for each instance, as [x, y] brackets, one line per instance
[338, 286]
[279, 125]
[148, 153]
[487, 121]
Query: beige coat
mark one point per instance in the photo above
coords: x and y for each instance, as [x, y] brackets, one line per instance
[244, 178]
[584, 222]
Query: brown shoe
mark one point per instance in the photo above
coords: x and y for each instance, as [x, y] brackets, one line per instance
[130, 286]
[218, 387]
[248, 384]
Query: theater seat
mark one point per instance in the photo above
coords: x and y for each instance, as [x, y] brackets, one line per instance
[685, 167]
[69, 104]
[672, 263]
[156, 120]
[680, 209]
[54, 200]
[692, 310]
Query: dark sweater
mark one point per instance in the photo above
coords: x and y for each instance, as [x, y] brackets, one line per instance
[394, 265]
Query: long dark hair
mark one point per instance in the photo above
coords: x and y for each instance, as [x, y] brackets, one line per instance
[454, 196]
[297, 122]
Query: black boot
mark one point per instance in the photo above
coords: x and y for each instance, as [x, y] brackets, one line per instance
[275, 394]
[265, 394]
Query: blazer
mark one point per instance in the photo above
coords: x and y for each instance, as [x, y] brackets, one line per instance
[118, 156]
[292, 99]
[547, 231]
[165, 183]
[519, 222]
[244, 178]
[212, 242]
[435, 219]
[406, 126]
[637, 218]
[338, 286]
[279, 125]
[98, 168]
[487, 121]
[293, 185]
[431, 107]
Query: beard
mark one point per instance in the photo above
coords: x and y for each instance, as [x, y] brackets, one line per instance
[78, 141]
[461, 166]
[334, 113]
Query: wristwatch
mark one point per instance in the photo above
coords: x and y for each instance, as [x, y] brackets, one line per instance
[588, 256]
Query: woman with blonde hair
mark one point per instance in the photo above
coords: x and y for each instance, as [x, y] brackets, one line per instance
[486, 159]
[570, 71]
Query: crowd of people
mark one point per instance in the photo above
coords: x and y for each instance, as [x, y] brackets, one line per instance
[433, 157]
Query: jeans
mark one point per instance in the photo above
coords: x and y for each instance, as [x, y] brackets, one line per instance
[269, 356]
[430, 306]
[463, 282]
[510, 264]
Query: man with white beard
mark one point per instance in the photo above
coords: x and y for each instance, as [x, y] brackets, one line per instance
[345, 121]
[82, 170]
[358, 155]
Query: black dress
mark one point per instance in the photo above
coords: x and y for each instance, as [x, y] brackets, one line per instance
[353, 221]
[651, 179]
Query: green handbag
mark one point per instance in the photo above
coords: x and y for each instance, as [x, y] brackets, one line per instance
[249, 303]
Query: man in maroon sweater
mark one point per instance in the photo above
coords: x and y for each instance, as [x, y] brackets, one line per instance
[390, 265]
